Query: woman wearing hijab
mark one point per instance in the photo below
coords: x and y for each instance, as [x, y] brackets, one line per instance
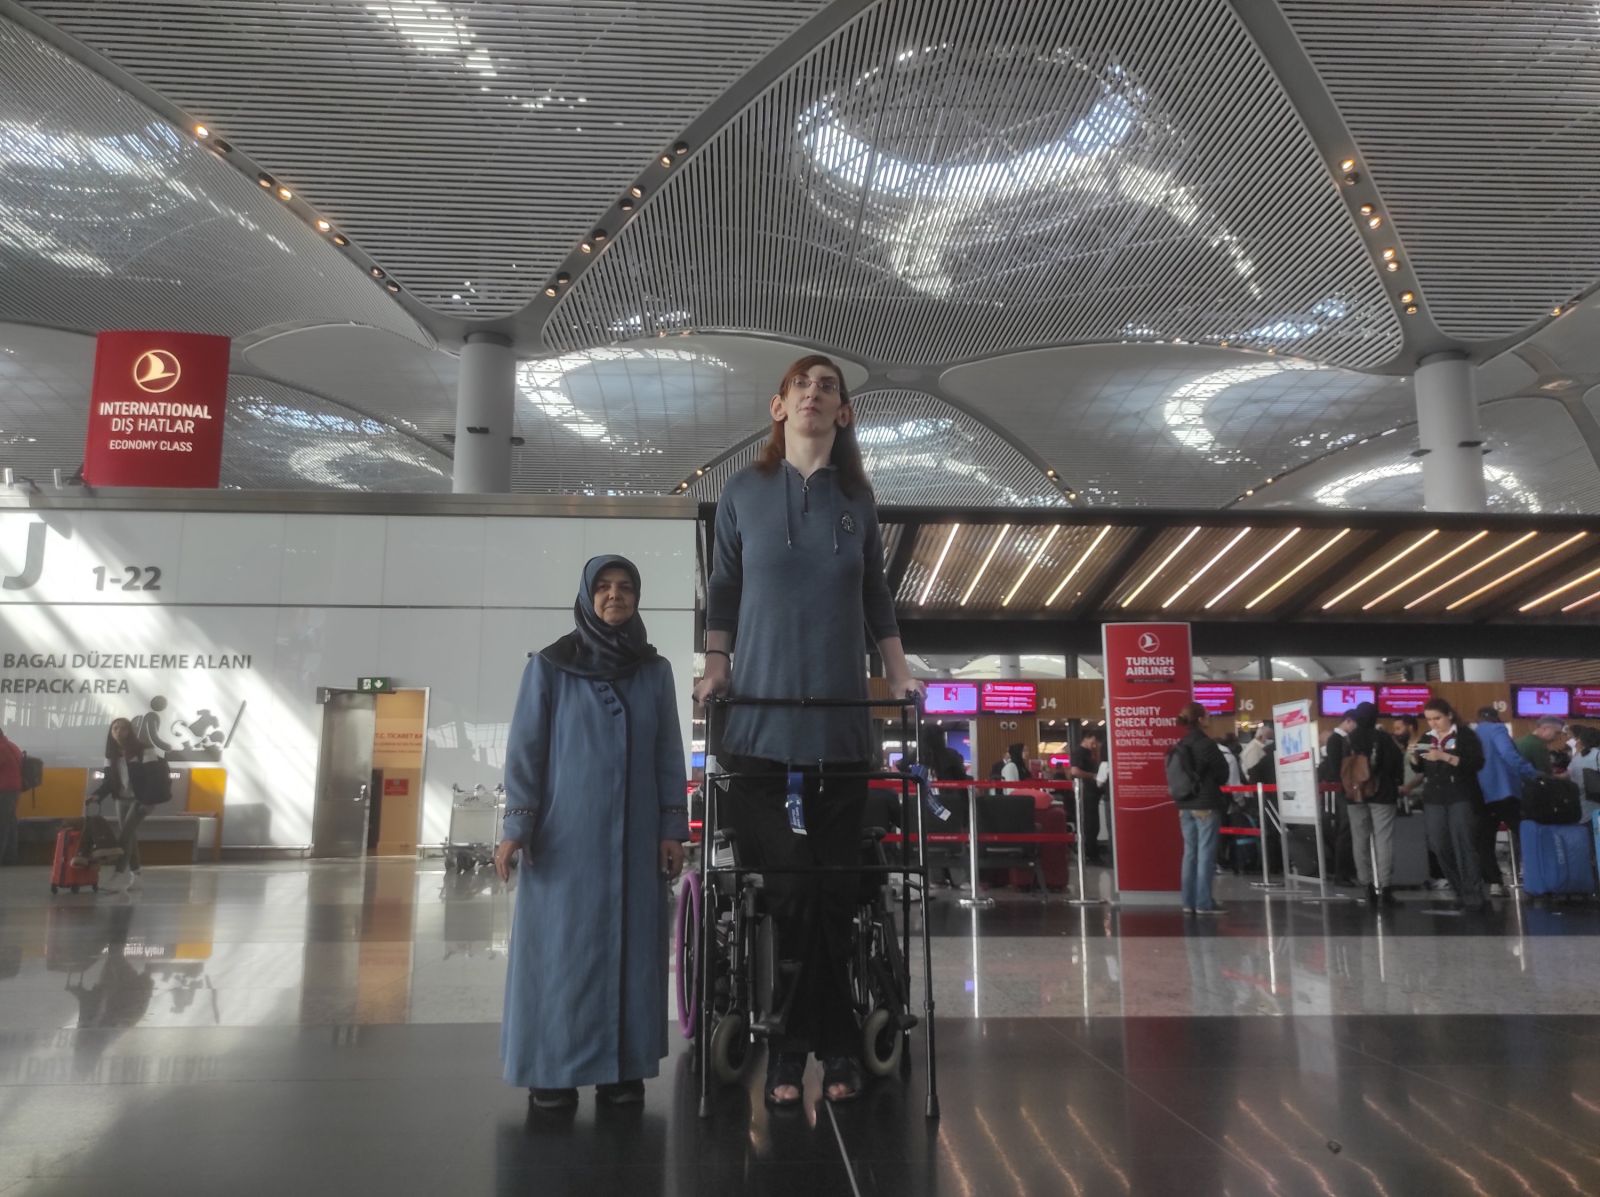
[595, 823]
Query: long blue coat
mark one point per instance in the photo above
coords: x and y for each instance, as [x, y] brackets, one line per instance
[594, 782]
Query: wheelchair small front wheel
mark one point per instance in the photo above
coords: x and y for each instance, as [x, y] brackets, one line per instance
[730, 1048]
[882, 1043]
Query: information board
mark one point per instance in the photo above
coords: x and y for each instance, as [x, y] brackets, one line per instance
[1535, 702]
[1335, 698]
[1217, 697]
[1586, 702]
[951, 698]
[1009, 698]
[1296, 750]
[1402, 700]
[156, 410]
[1149, 678]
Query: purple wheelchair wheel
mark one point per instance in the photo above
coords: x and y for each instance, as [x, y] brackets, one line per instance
[686, 952]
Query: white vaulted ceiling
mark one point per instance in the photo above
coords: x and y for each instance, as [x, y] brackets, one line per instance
[1094, 253]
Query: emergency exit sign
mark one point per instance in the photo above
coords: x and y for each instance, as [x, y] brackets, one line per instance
[374, 685]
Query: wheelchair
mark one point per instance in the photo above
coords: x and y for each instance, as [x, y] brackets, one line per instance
[750, 979]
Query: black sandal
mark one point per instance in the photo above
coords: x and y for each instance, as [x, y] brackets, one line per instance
[621, 1093]
[785, 1068]
[553, 1099]
[841, 1070]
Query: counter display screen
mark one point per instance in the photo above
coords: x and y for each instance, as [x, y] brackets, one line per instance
[951, 698]
[1335, 698]
[1403, 700]
[1009, 698]
[1217, 697]
[1586, 702]
[1534, 702]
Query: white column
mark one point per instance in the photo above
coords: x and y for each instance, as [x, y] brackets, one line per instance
[1447, 429]
[1371, 669]
[1452, 467]
[486, 400]
[1010, 666]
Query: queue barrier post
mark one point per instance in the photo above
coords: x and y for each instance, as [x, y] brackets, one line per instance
[1266, 881]
[975, 900]
[1516, 866]
[1083, 898]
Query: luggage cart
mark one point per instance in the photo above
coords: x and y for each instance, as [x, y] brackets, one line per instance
[475, 818]
[724, 884]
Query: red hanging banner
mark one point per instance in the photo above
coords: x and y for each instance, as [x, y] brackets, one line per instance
[157, 409]
[1149, 673]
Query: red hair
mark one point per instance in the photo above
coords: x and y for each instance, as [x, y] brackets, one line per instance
[846, 455]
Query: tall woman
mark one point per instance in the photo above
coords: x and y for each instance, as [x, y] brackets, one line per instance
[595, 814]
[1449, 756]
[123, 781]
[797, 576]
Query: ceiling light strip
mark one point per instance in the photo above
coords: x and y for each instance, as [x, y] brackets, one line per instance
[1165, 561]
[1581, 602]
[1398, 557]
[1079, 564]
[938, 565]
[982, 569]
[1526, 565]
[1204, 569]
[1342, 534]
[1424, 571]
[1545, 598]
[1260, 561]
[1472, 569]
[1017, 585]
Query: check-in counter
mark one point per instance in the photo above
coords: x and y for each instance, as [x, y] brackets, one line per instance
[183, 831]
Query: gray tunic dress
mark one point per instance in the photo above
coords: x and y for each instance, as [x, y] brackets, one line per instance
[594, 782]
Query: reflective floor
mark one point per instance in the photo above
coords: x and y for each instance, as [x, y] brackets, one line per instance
[331, 1028]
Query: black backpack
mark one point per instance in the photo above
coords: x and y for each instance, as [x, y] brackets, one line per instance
[32, 772]
[1551, 800]
[151, 781]
[1183, 779]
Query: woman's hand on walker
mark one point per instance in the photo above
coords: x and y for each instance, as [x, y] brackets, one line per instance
[505, 858]
[671, 859]
[716, 680]
[907, 687]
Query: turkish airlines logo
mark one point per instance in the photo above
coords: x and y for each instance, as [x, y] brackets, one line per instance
[1149, 642]
[156, 371]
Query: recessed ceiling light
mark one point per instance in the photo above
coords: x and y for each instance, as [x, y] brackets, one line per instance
[550, 291]
[285, 194]
[265, 181]
[666, 159]
[1391, 267]
[1367, 209]
[340, 240]
[323, 226]
[376, 272]
[586, 248]
[1411, 310]
[681, 148]
[563, 279]
[636, 191]
[1348, 164]
[1224, 344]
[392, 287]
[1374, 221]
[1556, 311]
[1351, 178]
[1408, 297]
[202, 132]
[598, 236]
[1388, 254]
[626, 205]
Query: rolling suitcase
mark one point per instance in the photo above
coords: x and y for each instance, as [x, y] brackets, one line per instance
[63, 873]
[1410, 865]
[1054, 858]
[1557, 859]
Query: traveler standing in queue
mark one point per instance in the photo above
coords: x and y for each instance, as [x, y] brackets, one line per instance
[10, 792]
[1341, 844]
[1086, 769]
[1449, 755]
[1372, 816]
[595, 810]
[1583, 769]
[1200, 811]
[797, 575]
[1535, 746]
[1504, 772]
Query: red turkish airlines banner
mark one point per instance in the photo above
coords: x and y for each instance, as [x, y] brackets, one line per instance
[1149, 676]
[157, 409]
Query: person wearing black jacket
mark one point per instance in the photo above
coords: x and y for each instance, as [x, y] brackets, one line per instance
[1200, 811]
[1340, 840]
[1372, 816]
[1449, 756]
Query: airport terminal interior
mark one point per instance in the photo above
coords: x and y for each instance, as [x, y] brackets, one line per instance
[1226, 378]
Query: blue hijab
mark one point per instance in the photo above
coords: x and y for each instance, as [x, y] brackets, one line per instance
[595, 649]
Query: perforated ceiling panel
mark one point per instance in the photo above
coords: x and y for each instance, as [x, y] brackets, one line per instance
[1537, 463]
[949, 178]
[921, 451]
[466, 144]
[1476, 121]
[1144, 426]
[109, 218]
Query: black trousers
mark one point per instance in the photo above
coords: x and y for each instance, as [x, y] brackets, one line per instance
[1507, 811]
[814, 914]
[1091, 819]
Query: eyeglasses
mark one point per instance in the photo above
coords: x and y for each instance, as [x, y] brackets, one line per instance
[828, 386]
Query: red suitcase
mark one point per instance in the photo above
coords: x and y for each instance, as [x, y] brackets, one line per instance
[1054, 859]
[63, 873]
